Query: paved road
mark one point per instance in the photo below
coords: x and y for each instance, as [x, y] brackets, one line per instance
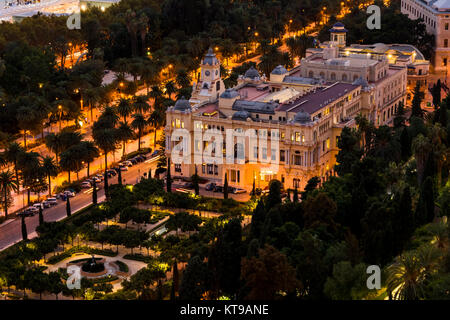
[11, 233]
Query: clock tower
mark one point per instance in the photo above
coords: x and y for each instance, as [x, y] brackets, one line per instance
[210, 85]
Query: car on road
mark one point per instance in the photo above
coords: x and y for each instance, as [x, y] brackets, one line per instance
[38, 205]
[69, 193]
[155, 153]
[133, 161]
[51, 201]
[210, 186]
[238, 190]
[127, 163]
[99, 176]
[26, 213]
[46, 204]
[140, 158]
[123, 168]
[32, 210]
[112, 172]
[86, 185]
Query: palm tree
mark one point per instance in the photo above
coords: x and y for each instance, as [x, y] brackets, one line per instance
[51, 170]
[106, 140]
[90, 152]
[54, 143]
[156, 94]
[156, 119]
[407, 275]
[11, 154]
[139, 123]
[170, 88]
[140, 104]
[7, 184]
[124, 108]
[125, 133]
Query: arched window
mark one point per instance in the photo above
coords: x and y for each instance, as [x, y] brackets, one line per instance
[344, 77]
[322, 75]
[333, 76]
[217, 85]
[311, 74]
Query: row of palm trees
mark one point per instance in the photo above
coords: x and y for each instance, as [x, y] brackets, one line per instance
[29, 169]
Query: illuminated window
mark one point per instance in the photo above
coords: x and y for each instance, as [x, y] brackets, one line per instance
[303, 138]
[182, 124]
[328, 143]
[173, 124]
[282, 135]
[177, 123]
[297, 136]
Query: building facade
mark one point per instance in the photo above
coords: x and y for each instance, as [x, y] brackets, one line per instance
[295, 116]
[436, 16]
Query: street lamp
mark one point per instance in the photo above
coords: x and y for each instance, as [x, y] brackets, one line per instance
[60, 116]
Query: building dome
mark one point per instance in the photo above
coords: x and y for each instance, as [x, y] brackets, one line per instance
[182, 105]
[279, 70]
[229, 94]
[241, 115]
[210, 58]
[252, 73]
[361, 82]
[302, 117]
[338, 27]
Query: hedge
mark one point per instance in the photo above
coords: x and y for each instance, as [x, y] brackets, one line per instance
[123, 267]
[79, 249]
[138, 257]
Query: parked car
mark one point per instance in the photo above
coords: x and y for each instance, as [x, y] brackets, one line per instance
[155, 153]
[26, 213]
[69, 193]
[140, 158]
[133, 161]
[38, 205]
[238, 190]
[117, 169]
[51, 201]
[46, 204]
[33, 210]
[123, 168]
[112, 172]
[127, 163]
[218, 189]
[210, 186]
[100, 176]
[86, 185]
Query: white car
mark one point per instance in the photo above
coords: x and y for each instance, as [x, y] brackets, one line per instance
[123, 168]
[86, 185]
[69, 193]
[127, 163]
[38, 205]
[239, 190]
[51, 201]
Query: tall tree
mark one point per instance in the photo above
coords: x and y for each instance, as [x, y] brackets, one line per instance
[168, 177]
[8, 183]
[139, 123]
[416, 109]
[68, 209]
[225, 187]
[24, 229]
[51, 170]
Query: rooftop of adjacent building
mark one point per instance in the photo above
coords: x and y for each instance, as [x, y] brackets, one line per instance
[319, 98]
[437, 6]
[357, 62]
